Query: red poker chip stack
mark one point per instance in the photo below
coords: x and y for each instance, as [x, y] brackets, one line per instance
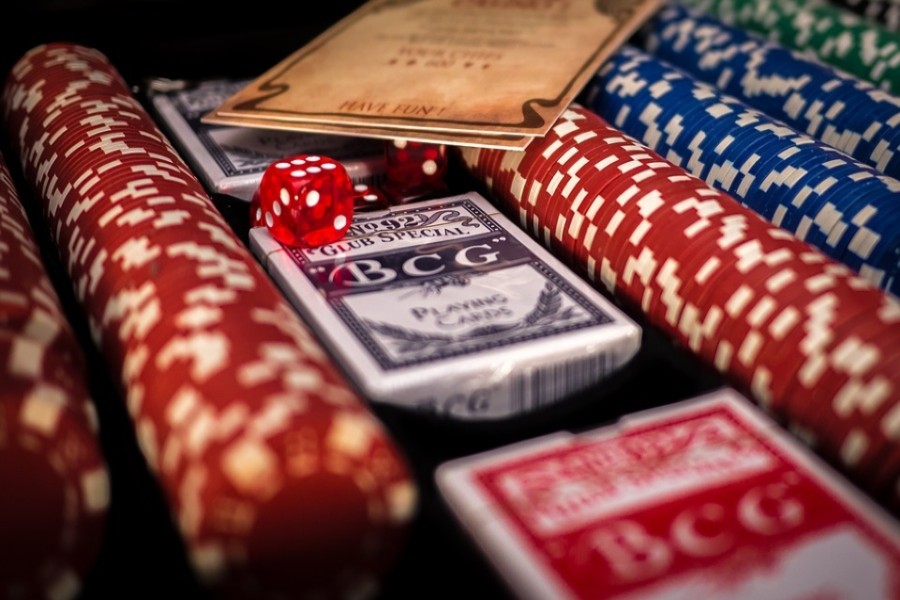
[279, 478]
[52, 472]
[812, 343]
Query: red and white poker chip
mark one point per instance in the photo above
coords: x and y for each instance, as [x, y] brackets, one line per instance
[774, 315]
[233, 400]
[51, 465]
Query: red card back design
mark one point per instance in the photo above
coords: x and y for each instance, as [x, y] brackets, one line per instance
[703, 499]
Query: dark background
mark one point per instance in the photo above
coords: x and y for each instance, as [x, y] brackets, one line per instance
[142, 555]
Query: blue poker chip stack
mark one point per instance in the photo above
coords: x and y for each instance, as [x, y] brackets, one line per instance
[848, 209]
[835, 107]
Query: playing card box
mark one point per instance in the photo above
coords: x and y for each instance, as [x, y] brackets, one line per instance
[706, 498]
[231, 159]
[446, 306]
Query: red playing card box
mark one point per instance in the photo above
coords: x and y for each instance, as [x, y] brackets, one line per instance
[702, 499]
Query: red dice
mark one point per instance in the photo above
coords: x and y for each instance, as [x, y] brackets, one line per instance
[256, 216]
[415, 170]
[368, 198]
[304, 200]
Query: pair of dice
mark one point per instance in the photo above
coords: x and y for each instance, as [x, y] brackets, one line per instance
[308, 200]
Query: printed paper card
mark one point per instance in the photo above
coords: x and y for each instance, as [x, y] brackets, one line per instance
[464, 67]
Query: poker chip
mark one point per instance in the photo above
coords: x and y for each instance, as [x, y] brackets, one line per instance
[843, 111]
[779, 318]
[264, 452]
[843, 207]
[885, 12]
[54, 476]
[832, 33]
[848, 363]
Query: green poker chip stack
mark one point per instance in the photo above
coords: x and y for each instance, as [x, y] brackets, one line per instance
[833, 34]
[886, 12]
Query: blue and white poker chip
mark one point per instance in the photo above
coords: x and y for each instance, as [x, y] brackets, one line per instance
[838, 108]
[827, 198]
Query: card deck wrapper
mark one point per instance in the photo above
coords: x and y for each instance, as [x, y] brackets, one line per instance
[707, 498]
[448, 307]
[231, 160]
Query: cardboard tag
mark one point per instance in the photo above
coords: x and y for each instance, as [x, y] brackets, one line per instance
[481, 68]
[231, 160]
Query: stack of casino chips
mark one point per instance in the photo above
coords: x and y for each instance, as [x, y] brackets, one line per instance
[886, 12]
[813, 343]
[832, 33]
[836, 108]
[54, 479]
[847, 209]
[279, 478]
